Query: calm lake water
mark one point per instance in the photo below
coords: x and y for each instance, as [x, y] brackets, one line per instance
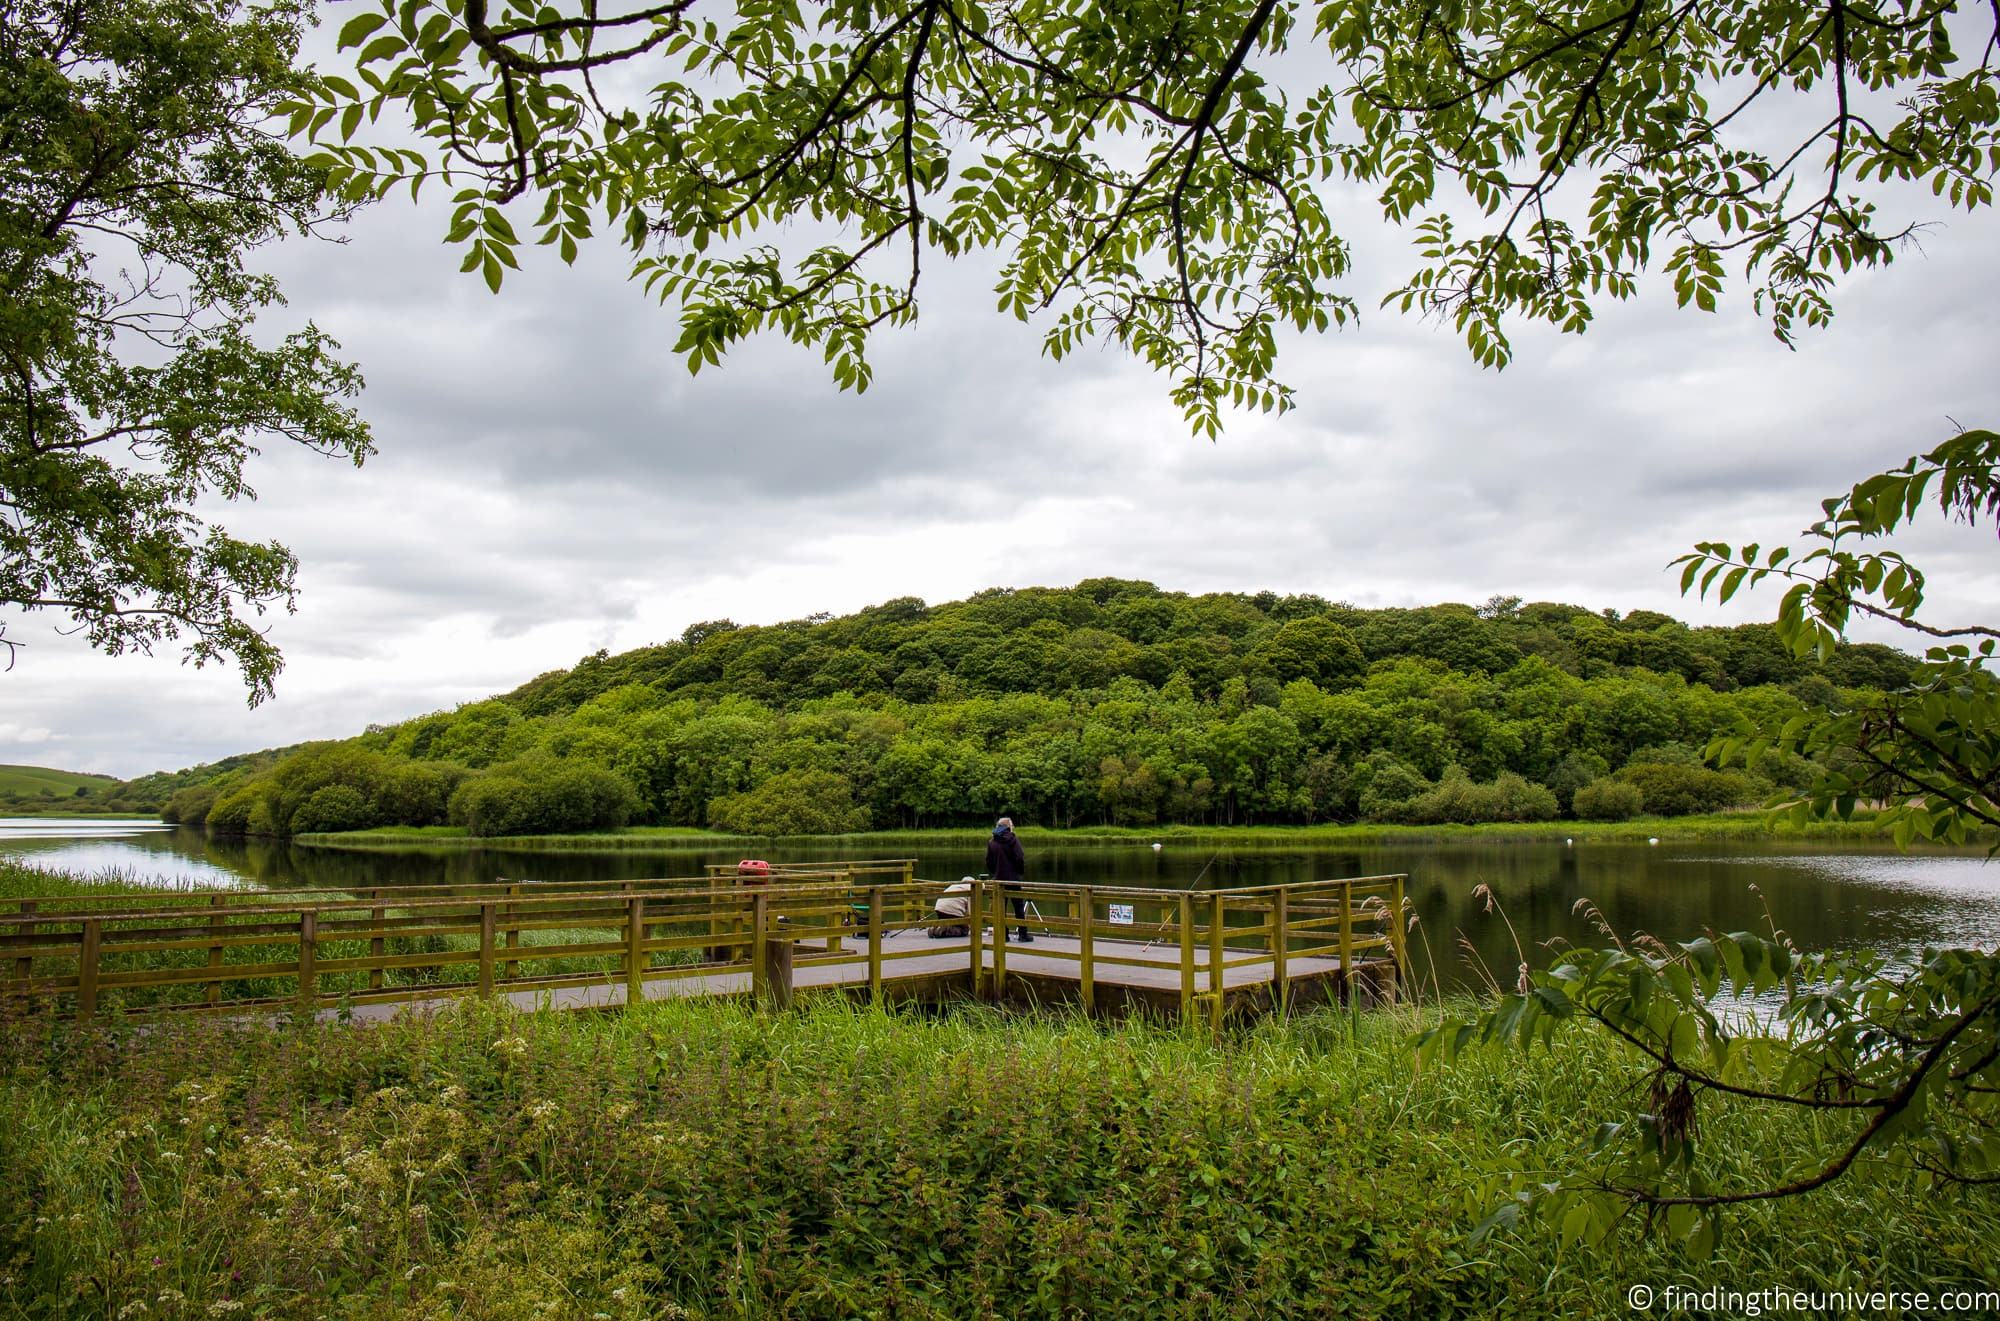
[1849, 898]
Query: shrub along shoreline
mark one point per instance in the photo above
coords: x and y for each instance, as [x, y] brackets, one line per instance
[1729, 825]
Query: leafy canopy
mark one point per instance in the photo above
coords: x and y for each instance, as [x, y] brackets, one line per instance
[1901, 1059]
[1929, 750]
[1900, 1055]
[141, 166]
[1165, 175]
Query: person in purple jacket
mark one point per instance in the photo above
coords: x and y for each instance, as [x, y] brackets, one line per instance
[1005, 861]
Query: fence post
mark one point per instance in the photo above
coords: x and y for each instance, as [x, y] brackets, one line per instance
[214, 992]
[377, 947]
[975, 913]
[778, 972]
[635, 935]
[1397, 939]
[875, 944]
[1280, 941]
[1218, 954]
[1085, 906]
[487, 924]
[86, 968]
[1187, 956]
[999, 941]
[308, 960]
[512, 969]
[1347, 940]
[24, 965]
[760, 955]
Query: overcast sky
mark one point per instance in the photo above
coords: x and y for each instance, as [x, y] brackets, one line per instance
[551, 480]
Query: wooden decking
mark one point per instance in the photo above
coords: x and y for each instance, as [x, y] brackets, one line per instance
[862, 929]
[1044, 970]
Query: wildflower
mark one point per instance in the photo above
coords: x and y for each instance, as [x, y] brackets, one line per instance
[224, 1306]
[137, 1307]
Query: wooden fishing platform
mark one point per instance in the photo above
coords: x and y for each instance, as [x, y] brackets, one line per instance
[859, 929]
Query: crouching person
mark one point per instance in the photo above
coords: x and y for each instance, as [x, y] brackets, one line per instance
[954, 912]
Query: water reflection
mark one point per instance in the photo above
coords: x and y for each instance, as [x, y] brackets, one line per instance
[1852, 898]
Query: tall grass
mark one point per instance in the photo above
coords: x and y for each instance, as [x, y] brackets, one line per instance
[701, 1160]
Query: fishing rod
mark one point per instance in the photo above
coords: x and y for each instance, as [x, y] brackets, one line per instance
[1191, 885]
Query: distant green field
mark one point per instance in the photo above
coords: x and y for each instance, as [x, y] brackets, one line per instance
[30, 781]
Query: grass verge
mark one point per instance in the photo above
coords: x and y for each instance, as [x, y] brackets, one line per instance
[699, 1160]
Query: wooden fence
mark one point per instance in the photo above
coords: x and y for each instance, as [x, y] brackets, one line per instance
[1271, 933]
[855, 925]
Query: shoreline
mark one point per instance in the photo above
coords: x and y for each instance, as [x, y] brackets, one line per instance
[1667, 830]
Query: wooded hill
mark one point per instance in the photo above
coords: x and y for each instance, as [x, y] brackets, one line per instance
[1108, 702]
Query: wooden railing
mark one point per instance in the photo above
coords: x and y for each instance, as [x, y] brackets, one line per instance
[1272, 931]
[904, 869]
[227, 952]
[232, 951]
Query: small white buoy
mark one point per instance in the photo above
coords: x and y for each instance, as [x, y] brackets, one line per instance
[1654, 840]
[1156, 846]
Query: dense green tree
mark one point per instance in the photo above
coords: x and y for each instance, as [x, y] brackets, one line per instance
[1608, 800]
[542, 795]
[189, 806]
[1312, 648]
[800, 802]
[332, 807]
[141, 172]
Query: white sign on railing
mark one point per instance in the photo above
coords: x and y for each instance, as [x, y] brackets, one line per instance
[1121, 915]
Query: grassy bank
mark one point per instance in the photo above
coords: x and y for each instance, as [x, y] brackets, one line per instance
[1729, 825]
[695, 1160]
